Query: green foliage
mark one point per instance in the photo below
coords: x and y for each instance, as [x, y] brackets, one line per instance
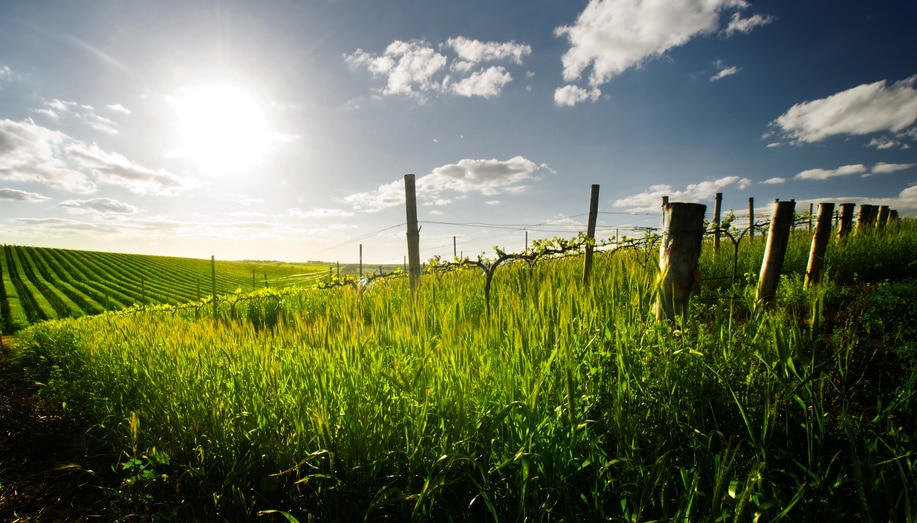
[560, 402]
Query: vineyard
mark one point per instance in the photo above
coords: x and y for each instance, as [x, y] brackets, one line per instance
[41, 283]
[518, 394]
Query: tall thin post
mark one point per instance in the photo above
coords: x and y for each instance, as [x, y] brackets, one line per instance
[253, 280]
[213, 284]
[774, 252]
[361, 261]
[413, 233]
[882, 218]
[819, 245]
[454, 248]
[863, 217]
[678, 256]
[810, 216]
[845, 220]
[590, 232]
[751, 217]
[717, 205]
[665, 202]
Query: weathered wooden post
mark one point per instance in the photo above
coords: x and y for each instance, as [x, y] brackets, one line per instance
[751, 218]
[777, 239]
[816, 264]
[863, 218]
[413, 233]
[213, 284]
[665, 201]
[893, 215]
[717, 204]
[682, 237]
[361, 261]
[810, 217]
[846, 220]
[882, 217]
[590, 233]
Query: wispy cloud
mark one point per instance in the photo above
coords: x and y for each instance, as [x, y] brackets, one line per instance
[21, 196]
[824, 174]
[417, 69]
[58, 109]
[7, 75]
[97, 206]
[849, 170]
[651, 199]
[861, 110]
[884, 168]
[319, 213]
[611, 37]
[485, 177]
[115, 169]
[723, 70]
[30, 152]
[776, 180]
[737, 24]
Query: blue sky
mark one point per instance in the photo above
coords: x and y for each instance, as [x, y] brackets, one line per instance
[282, 130]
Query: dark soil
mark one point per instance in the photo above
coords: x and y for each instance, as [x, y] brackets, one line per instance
[38, 480]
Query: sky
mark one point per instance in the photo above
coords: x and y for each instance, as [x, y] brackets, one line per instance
[282, 130]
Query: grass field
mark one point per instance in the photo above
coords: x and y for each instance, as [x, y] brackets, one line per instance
[561, 403]
[41, 283]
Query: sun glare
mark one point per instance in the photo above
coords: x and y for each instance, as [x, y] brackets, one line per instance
[220, 128]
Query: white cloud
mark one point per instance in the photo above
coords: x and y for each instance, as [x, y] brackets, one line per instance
[737, 24]
[319, 213]
[861, 110]
[118, 108]
[487, 83]
[417, 70]
[824, 174]
[385, 196]
[651, 199]
[21, 196]
[86, 114]
[884, 168]
[613, 36]
[885, 142]
[6, 74]
[723, 71]
[570, 95]
[409, 67]
[474, 51]
[30, 153]
[115, 169]
[774, 181]
[97, 206]
[485, 177]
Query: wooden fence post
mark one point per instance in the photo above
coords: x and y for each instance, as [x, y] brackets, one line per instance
[863, 218]
[665, 201]
[361, 261]
[846, 220]
[819, 245]
[777, 239]
[590, 232]
[751, 218]
[413, 233]
[213, 284]
[882, 217]
[717, 205]
[678, 255]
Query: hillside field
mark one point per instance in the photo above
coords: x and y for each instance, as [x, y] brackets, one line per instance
[554, 401]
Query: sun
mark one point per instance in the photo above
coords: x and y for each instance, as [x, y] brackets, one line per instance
[220, 128]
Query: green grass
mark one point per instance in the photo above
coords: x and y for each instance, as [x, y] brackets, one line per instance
[561, 403]
[52, 283]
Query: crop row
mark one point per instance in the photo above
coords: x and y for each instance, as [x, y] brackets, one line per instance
[43, 283]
